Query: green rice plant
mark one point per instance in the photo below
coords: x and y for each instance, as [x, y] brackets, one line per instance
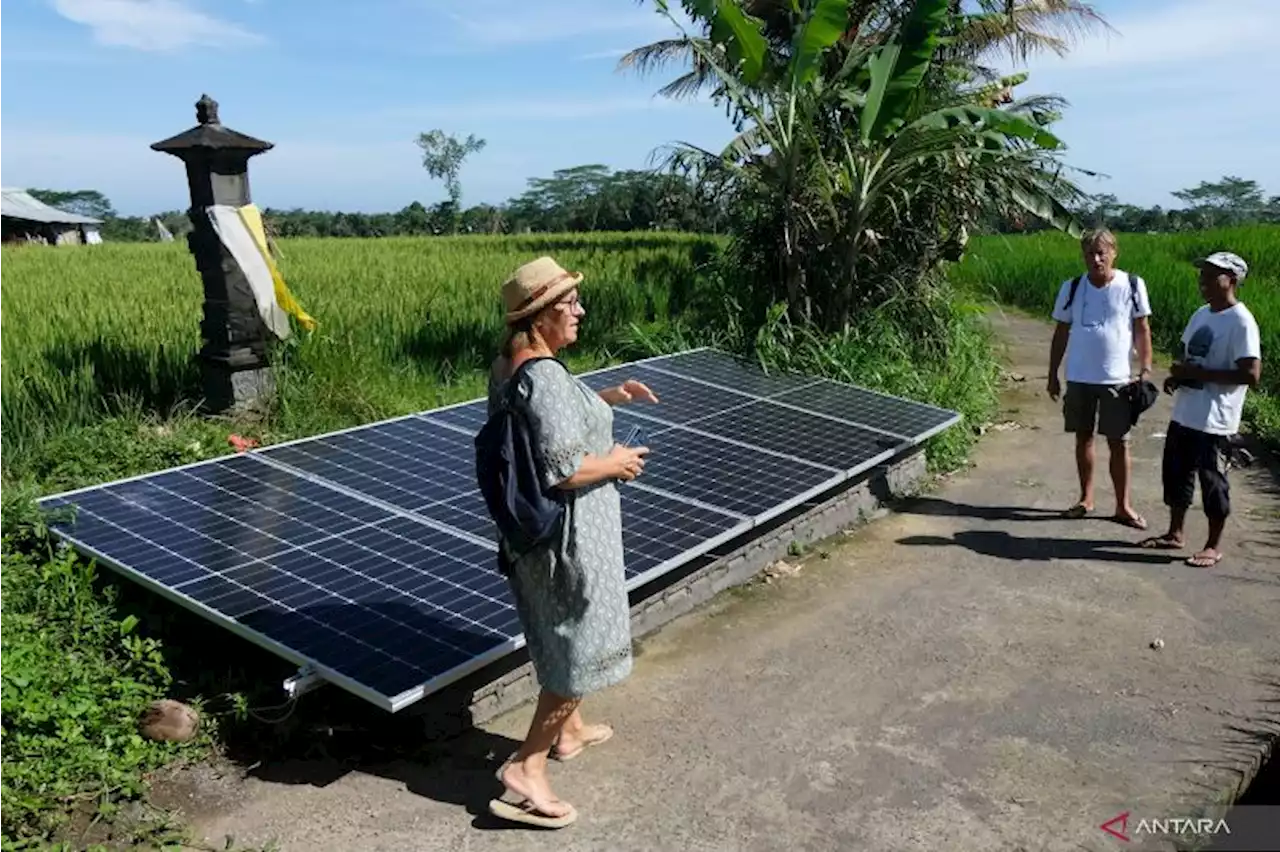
[1027, 271]
[405, 324]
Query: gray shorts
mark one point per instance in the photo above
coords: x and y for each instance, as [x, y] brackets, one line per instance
[1101, 409]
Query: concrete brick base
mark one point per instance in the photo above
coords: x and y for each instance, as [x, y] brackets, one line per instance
[510, 682]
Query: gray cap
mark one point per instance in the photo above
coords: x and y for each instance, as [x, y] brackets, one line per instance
[1227, 262]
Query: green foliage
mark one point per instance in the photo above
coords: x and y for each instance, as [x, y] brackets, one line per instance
[443, 155]
[581, 198]
[822, 27]
[852, 182]
[86, 202]
[1226, 202]
[76, 677]
[1028, 270]
[405, 324]
[898, 69]
[731, 27]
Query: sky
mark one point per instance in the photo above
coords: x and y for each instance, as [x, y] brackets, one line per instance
[1172, 95]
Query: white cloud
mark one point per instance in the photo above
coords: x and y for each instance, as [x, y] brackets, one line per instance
[530, 110]
[504, 24]
[153, 25]
[603, 54]
[1190, 31]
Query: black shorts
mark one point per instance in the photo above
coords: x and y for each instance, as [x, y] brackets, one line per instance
[1188, 454]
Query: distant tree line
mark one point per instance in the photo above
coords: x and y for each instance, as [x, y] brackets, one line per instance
[583, 198]
[595, 198]
[1229, 201]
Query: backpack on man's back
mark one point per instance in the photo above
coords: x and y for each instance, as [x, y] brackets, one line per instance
[1075, 285]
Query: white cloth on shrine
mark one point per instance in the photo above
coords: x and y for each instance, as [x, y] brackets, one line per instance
[235, 236]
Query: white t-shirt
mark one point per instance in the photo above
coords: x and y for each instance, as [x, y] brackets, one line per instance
[1101, 320]
[1216, 341]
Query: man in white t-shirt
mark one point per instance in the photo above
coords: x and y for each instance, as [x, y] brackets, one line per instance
[1221, 360]
[1102, 316]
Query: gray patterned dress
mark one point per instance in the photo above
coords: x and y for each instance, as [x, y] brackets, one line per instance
[570, 594]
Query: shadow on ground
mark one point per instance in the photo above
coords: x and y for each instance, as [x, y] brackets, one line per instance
[946, 508]
[458, 771]
[999, 544]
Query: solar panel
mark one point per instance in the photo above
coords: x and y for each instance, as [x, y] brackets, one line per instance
[408, 462]
[913, 421]
[381, 603]
[728, 476]
[659, 531]
[717, 368]
[680, 400]
[802, 436]
[468, 417]
[369, 554]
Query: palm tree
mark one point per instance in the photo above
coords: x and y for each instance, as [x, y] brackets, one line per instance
[1022, 28]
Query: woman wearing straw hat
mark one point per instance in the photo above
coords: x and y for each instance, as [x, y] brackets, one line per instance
[570, 594]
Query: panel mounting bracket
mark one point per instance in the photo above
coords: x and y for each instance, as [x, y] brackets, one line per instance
[303, 682]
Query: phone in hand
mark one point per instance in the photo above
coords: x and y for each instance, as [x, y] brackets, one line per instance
[635, 438]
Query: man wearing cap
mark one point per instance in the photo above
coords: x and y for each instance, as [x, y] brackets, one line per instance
[1221, 359]
[1102, 317]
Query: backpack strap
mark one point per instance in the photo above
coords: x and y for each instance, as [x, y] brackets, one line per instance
[509, 393]
[1133, 291]
[1071, 294]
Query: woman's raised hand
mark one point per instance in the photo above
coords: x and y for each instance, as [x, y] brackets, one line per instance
[634, 391]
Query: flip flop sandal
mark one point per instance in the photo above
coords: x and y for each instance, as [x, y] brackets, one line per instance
[1137, 522]
[1159, 542]
[515, 808]
[1199, 560]
[586, 744]
[1075, 512]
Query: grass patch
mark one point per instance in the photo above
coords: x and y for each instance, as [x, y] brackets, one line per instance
[76, 675]
[1028, 270]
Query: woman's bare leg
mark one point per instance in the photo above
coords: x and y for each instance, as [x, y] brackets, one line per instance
[526, 774]
[576, 733]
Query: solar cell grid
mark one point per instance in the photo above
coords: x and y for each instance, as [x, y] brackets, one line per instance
[804, 436]
[467, 513]
[726, 371]
[470, 417]
[868, 408]
[657, 529]
[384, 581]
[723, 474]
[408, 463]
[681, 400]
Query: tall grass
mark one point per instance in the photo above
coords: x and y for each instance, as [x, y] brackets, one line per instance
[405, 324]
[1028, 270]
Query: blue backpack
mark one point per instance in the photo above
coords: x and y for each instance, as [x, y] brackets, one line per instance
[526, 514]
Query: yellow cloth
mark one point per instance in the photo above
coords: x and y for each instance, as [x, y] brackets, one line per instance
[252, 218]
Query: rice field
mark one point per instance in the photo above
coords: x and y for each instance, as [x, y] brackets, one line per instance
[99, 339]
[1027, 271]
[404, 323]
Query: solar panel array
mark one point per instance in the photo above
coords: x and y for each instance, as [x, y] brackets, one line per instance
[368, 554]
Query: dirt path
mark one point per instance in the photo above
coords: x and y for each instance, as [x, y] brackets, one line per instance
[970, 673]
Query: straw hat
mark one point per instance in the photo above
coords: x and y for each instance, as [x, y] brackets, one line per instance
[534, 286]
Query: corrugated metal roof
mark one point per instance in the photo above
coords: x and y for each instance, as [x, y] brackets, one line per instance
[19, 204]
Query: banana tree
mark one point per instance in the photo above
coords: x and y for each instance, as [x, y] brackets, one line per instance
[860, 163]
[775, 98]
